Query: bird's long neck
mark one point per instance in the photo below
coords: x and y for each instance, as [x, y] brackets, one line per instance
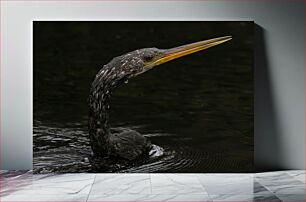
[99, 103]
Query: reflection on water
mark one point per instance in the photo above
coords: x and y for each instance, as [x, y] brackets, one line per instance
[198, 110]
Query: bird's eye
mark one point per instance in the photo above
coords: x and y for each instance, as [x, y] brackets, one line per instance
[148, 58]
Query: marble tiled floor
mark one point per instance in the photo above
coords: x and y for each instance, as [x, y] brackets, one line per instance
[270, 186]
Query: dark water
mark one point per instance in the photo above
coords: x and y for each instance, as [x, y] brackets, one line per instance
[198, 109]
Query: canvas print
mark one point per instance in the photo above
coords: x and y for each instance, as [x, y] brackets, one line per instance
[143, 97]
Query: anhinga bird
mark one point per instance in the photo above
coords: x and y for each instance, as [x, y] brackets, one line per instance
[128, 144]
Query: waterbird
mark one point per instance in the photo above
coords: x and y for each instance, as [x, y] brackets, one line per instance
[128, 144]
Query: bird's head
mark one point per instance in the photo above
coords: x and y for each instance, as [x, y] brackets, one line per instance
[139, 61]
[142, 60]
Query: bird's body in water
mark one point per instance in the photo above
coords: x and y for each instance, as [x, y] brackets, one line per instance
[128, 144]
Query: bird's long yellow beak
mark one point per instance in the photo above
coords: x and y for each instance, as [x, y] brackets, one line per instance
[181, 51]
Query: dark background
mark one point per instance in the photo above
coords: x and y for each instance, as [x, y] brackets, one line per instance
[198, 108]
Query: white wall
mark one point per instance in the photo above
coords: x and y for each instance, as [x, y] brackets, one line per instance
[279, 69]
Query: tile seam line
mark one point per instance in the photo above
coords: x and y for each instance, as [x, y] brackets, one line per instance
[202, 185]
[150, 175]
[94, 180]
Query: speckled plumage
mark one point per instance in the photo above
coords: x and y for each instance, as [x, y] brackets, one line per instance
[128, 144]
